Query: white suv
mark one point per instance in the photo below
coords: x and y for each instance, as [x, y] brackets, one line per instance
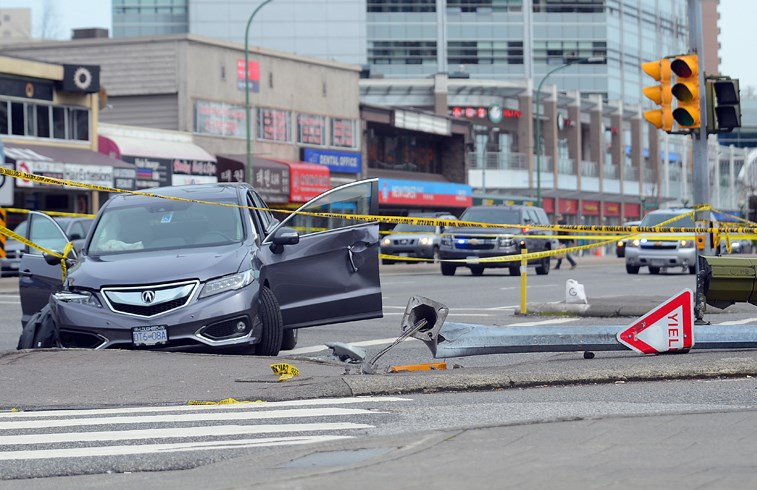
[669, 250]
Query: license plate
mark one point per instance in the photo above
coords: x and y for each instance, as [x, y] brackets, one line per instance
[473, 259]
[14, 265]
[403, 254]
[151, 335]
[658, 263]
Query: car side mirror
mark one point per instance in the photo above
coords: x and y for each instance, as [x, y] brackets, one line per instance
[284, 236]
[53, 260]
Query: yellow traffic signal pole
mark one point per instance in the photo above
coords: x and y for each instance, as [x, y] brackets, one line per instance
[699, 151]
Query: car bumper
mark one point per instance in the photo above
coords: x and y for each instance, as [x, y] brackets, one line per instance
[474, 255]
[421, 252]
[684, 257]
[207, 322]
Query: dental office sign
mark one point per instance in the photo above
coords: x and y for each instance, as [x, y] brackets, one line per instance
[419, 193]
[336, 161]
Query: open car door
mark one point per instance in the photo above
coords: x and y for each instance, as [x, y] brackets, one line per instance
[332, 274]
[36, 278]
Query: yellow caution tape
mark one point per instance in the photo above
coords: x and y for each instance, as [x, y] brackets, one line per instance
[51, 213]
[225, 401]
[286, 371]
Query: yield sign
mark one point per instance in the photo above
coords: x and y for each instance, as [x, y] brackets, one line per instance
[669, 327]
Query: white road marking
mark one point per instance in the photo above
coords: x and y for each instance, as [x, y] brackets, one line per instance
[177, 432]
[164, 448]
[532, 287]
[363, 343]
[554, 321]
[739, 322]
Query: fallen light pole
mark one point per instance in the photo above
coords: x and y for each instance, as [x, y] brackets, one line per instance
[666, 329]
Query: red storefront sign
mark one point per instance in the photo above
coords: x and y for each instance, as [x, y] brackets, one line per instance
[611, 208]
[631, 210]
[590, 208]
[548, 203]
[307, 180]
[568, 206]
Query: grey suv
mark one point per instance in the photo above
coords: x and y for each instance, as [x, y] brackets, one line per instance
[474, 243]
[414, 240]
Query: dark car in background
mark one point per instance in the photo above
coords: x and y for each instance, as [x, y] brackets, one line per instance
[75, 228]
[208, 265]
[473, 243]
[415, 240]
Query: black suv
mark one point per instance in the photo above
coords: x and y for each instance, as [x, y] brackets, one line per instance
[474, 243]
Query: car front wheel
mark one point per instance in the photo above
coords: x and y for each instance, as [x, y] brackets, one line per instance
[632, 269]
[273, 325]
[448, 270]
[543, 268]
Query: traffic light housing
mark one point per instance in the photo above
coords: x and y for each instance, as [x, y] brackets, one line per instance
[661, 94]
[723, 104]
[686, 91]
[728, 280]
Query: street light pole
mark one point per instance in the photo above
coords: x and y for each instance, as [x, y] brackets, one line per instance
[579, 61]
[247, 89]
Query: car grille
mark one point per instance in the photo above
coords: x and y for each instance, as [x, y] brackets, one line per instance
[462, 242]
[659, 245]
[149, 300]
[13, 254]
[403, 241]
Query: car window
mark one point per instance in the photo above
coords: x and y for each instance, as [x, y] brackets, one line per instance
[657, 218]
[44, 232]
[354, 198]
[411, 228]
[267, 219]
[166, 224]
[76, 230]
[492, 215]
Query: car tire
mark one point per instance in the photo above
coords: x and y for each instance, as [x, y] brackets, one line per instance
[692, 269]
[289, 339]
[514, 271]
[477, 270]
[632, 269]
[654, 270]
[448, 269]
[543, 268]
[273, 325]
[387, 261]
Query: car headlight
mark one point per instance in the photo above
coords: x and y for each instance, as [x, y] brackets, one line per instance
[636, 242]
[446, 241]
[425, 241]
[505, 242]
[686, 243]
[227, 283]
[621, 243]
[386, 242]
[78, 297]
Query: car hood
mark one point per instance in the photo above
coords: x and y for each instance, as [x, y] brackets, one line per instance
[412, 236]
[158, 266]
[473, 230]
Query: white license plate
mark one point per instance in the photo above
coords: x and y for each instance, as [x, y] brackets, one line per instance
[152, 335]
[658, 263]
[404, 254]
[473, 259]
[15, 265]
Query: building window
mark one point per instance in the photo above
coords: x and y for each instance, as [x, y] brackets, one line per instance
[78, 124]
[401, 52]
[274, 125]
[311, 130]
[569, 6]
[44, 121]
[401, 6]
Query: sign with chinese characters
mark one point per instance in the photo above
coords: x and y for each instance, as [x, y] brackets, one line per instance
[274, 125]
[253, 75]
[271, 182]
[494, 112]
[343, 133]
[219, 119]
[415, 192]
[193, 172]
[311, 130]
[336, 161]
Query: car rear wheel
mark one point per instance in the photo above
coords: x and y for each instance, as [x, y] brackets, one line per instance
[289, 339]
[514, 271]
[477, 270]
[448, 270]
[654, 270]
[632, 269]
[273, 325]
[543, 268]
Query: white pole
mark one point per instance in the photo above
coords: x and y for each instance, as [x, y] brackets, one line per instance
[732, 176]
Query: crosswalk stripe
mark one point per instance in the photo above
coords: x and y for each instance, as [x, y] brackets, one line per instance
[179, 432]
[185, 417]
[164, 448]
[739, 322]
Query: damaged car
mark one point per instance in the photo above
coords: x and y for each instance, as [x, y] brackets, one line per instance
[205, 265]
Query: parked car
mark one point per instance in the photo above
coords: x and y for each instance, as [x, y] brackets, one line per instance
[165, 272]
[671, 250]
[414, 240]
[475, 243]
[74, 228]
[620, 247]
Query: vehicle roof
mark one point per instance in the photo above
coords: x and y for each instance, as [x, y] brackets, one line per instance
[221, 191]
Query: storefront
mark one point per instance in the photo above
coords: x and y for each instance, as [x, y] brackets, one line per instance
[78, 165]
[160, 158]
[403, 197]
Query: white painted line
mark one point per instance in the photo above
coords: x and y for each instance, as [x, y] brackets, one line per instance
[554, 321]
[364, 343]
[739, 322]
[185, 417]
[204, 408]
[449, 315]
[164, 448]
[531, 287]
[176, 432]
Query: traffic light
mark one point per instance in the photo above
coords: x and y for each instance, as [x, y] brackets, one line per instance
[724, 103]
[661, 94]
[728, 280]
[686, 91]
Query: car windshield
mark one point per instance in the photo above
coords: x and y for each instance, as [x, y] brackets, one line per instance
[685, 221]
[164, 224]
[410, 228]
[492, 215]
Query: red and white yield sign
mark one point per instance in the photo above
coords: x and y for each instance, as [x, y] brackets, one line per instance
[667, 328]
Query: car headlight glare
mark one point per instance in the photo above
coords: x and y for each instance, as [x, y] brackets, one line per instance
[621, 243]
[686, 243]
[425, 241]
[386, 242]
[78, 297]
[636, 242]
[227, 283]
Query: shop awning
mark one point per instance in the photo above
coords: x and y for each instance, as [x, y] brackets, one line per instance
[74, 164]
[118, 145]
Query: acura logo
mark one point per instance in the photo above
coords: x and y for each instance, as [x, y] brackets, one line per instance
[148, 296]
